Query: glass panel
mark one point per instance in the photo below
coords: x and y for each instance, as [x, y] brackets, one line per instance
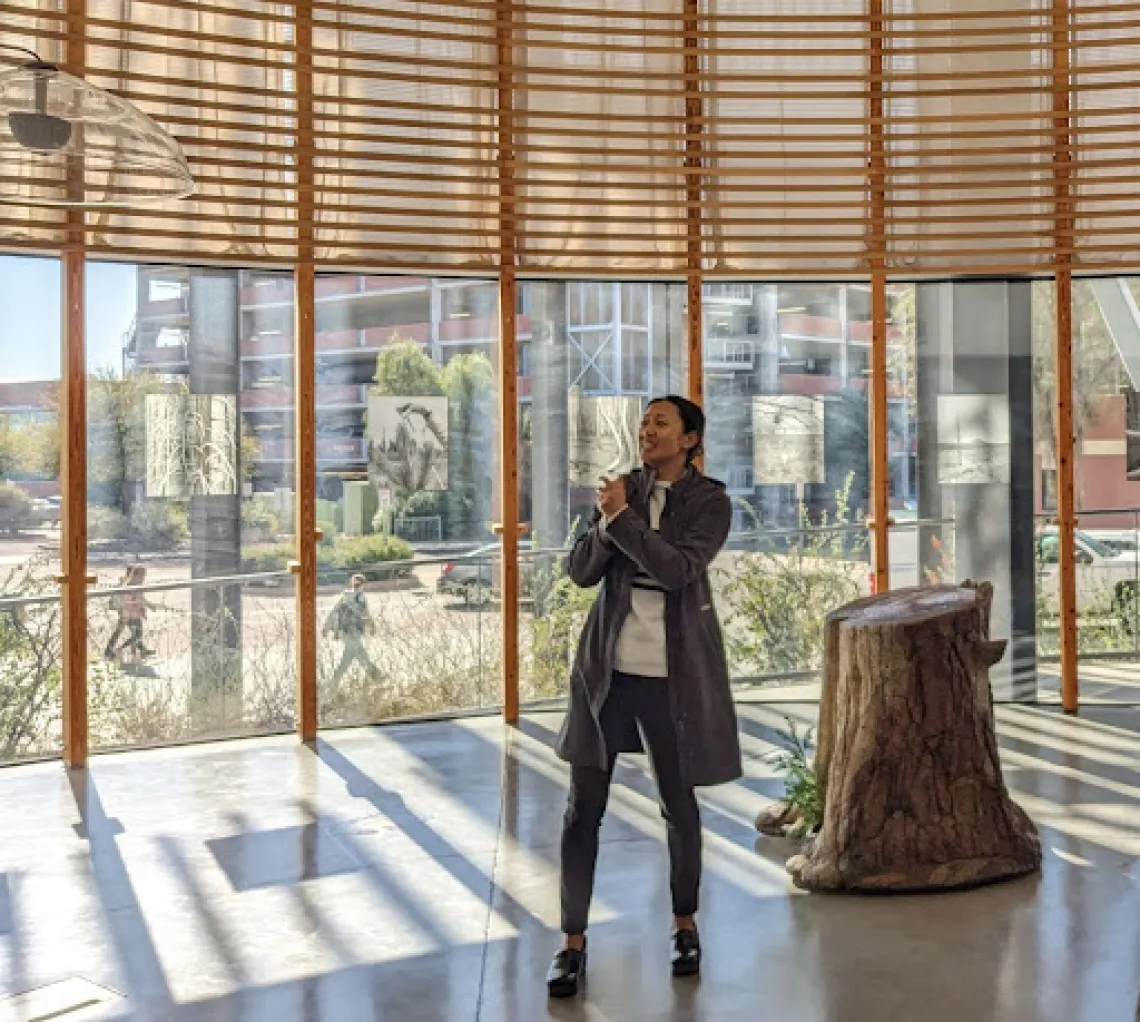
[968, 393]
[30, 647]
[207, 660]
[413, 637]
[1106, 420]
[786, 397]
[407, 449]
[190, 477]
[579, 418]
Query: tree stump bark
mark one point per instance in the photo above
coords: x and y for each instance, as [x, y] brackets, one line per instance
[907, 758]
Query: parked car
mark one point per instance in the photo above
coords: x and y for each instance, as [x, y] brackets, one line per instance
[1118, 540]
[1107, 580]
[475, 577]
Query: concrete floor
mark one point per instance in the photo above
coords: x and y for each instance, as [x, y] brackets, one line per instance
[409, 873]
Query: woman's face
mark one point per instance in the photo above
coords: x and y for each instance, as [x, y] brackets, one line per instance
[663, 438]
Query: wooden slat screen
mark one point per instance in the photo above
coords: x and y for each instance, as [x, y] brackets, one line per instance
[219, 77]
[406, 133]
[621, 151]
[600, 119]
[38, 25]
[1106, 133]
[969, 135]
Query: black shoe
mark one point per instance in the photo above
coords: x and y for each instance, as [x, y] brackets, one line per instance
[686, 953]
[567, 969]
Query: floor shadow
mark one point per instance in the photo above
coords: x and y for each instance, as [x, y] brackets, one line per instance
[15, 981]
[137, 956]
[400, 896]
[431, 842]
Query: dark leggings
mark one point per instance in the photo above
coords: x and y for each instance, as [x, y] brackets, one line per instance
[133, 641]
[641, 702]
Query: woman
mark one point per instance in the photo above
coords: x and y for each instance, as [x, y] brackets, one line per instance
[132, 615]
[650, 661]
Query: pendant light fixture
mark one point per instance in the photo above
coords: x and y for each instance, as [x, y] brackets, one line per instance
[64, 142]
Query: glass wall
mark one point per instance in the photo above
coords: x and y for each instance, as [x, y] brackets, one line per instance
[30, 636]
[189, 503]
[591, 354]
[191, 488]
[786, 370]
[407, 462]
[966, 376]
[1106, 378]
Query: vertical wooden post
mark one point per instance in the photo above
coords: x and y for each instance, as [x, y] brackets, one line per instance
[880, 463]
[1063, 240]
[304, 387]
[877, 163]
[694, 126]
[73, 521]
[305, 484]
[73, 438]
[508, 362]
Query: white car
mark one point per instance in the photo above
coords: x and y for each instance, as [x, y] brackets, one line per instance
[1107, 580]
[1118, 540]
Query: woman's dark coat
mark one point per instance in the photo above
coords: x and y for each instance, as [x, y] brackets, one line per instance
[694, 526]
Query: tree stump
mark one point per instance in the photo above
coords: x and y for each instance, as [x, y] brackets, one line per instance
[907, 758]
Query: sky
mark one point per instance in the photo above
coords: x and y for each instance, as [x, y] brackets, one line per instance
[30, 315]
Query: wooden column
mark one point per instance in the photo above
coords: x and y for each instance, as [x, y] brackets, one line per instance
[305, 486]
[880, 463]
[305, 389]
[73, 520]
[877, 163]
[509, 526]
[1063, 240]
[73, 439]
[694, 126]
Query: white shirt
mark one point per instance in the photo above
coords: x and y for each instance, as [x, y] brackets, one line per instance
[641, 646]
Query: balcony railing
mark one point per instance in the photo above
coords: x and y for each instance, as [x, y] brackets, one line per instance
[267, 344]
[339, 395]
[267, 397]
[166, 354]
[729, 354]
[728, 292]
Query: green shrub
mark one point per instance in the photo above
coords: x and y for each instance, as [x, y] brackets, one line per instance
[259, 557]
[776, 600]
[801, 785]
[343, 553]
[350, 553]
[158, 525]
[258, 519]
[105, 523]
[153, 525]
[16, 511]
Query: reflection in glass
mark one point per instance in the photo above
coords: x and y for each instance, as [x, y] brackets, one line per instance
[30, 637]
[1106, 422]
[973, 391]
[786, 397]
[190, 503]
[592, 354]
[407, 448]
